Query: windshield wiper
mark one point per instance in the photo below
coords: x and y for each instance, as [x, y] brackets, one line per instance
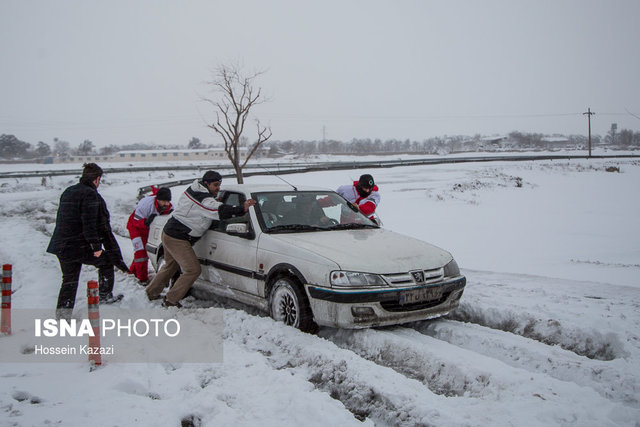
[351, 226]
[294, 227]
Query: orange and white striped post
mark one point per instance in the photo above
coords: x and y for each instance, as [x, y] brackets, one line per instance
[93, 304]
[5, 324]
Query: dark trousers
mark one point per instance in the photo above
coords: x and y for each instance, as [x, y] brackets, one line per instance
[71, 275]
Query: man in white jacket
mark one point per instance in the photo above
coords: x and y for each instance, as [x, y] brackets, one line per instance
[193, 215]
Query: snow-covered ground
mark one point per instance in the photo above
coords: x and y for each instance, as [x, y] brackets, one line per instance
[547, 332]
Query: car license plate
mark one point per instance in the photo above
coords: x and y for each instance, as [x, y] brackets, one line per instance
[420, 295]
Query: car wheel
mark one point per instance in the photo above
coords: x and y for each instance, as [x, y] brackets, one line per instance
[288, 304]
[161, 263]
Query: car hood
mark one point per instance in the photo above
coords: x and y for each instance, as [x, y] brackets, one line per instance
[370, 250]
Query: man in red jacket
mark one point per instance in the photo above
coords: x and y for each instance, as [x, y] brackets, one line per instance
[138, 225]
[364, 194]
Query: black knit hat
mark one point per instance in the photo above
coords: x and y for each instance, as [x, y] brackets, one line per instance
[366, 180]
[211, 176]
[163, 194]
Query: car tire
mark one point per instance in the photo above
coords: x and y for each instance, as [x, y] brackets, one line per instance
[289, 304]
[160, 264]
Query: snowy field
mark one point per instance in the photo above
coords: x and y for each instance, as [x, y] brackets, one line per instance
[547, 333]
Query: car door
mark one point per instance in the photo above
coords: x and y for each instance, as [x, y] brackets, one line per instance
[230, 259]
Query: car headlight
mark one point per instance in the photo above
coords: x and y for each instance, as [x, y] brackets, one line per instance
[451, 269]
[355, 279]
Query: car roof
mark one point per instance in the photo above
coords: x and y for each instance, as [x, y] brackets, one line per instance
[257, 188]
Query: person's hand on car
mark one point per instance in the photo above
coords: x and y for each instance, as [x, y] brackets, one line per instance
[248, 203]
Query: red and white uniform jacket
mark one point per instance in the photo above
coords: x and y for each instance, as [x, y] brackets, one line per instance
[139, 234]
[367, 204]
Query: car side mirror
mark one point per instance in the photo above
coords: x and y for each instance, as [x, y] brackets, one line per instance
[238, 229]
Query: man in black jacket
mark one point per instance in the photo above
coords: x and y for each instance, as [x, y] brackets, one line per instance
[83, 236]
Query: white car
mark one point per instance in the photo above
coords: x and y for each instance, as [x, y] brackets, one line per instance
[308, 258]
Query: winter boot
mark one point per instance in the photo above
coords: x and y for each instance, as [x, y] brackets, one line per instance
[105, 282]
[167, 303]
[110, 298]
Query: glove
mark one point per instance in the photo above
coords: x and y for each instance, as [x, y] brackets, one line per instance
[148, 221]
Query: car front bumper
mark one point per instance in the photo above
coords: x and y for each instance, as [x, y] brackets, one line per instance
[353, 309]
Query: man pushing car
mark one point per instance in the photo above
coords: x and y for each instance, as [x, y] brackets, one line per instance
[195, 211]
[138, 225]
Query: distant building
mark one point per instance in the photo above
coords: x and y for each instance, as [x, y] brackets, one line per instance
[494, 141]
[556, 140]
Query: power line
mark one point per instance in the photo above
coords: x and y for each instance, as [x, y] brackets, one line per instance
[424, 117]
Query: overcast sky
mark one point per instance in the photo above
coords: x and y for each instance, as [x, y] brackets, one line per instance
[120, 72]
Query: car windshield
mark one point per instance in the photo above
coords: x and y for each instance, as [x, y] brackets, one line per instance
[307, 211]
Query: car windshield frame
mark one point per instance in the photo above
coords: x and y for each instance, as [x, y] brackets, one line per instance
[307, 211]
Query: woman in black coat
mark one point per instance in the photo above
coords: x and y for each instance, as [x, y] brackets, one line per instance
[83, 236]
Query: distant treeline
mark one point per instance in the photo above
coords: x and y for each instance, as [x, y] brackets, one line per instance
[13, 148]
[625, 139]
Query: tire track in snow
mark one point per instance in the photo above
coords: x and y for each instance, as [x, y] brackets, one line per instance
[370, 374]
[415, 360]
[603, 376]
[553, 311]
[592, 344]
[451, 370]
[367, 390]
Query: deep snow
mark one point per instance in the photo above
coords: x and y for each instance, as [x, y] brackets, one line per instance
[546, 333]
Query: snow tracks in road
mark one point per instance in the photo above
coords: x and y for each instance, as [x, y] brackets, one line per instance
[413, 376]
[518, 351]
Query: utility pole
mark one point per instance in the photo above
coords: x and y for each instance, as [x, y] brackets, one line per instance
[589, 113]
[324, 133]
[614, 127]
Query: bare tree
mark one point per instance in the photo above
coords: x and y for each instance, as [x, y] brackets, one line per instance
[237, 95]
[85, 148]
[43, 149]
[194, 143]
[60, 147]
